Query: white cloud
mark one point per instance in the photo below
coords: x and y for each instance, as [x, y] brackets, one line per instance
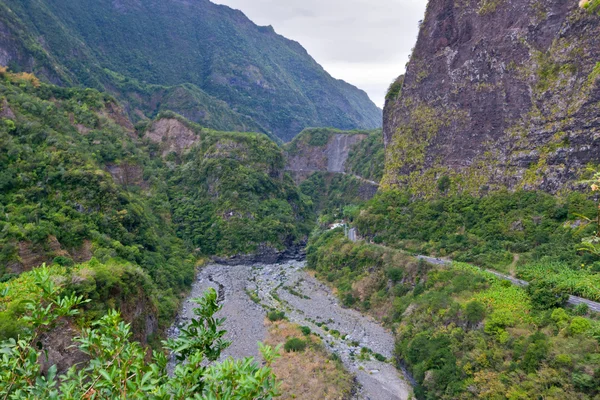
[364, 42]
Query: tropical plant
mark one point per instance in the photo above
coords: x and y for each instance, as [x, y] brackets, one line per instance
[118, 367]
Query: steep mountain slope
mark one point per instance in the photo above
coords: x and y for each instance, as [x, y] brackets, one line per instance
[336, 168]
[256, 72]
[78, 183]
[497, 93]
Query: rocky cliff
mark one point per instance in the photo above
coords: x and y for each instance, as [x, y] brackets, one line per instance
[497, 93]
[321, 150]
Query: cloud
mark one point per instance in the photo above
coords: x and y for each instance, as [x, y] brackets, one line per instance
[363, 42]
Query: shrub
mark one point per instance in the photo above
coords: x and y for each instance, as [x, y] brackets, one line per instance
[295, 345]
[305, 330]
[63, 261]
[394, 274]
[275, 315]
[579, 325]
[581, 309]
[475, 312]
[380, 357]
[499, 320]
[560, 317]
[544, 296]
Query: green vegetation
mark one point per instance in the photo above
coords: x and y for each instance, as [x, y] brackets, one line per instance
[216, 67]
[590, 5]
[486, 231]
[395, 89]
[276, 315]
[462, 332]
[120, 368]
[78, 182]
[367, 158]
[331, 193]
[295, 345]
[583, 281]
[230, 196]
[319, 137]
[58, 200]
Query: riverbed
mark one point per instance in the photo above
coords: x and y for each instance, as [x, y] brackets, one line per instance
[247, 291]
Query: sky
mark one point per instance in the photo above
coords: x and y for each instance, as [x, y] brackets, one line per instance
[364, 42]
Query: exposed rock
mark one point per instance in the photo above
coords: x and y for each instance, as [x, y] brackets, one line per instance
[127, 174]
[265, 255]
[497, 94]
[173, 135]
[330, 157]
[30, 256]
[5, 111]
[59, 348]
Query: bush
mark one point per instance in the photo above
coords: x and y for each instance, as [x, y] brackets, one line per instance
[544, 296]
[579, 325]
[380, 357]
[475, 312]
[581, 309]
[295, 345]
[305, 330]
[394, 274]
[275, 316]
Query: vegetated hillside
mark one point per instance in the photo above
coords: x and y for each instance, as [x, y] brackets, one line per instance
[336, 168]
[461, 332]
[205, 51]
[73, 189]
[230, 194]
[496, 94]
[489, 231]
[78, 184]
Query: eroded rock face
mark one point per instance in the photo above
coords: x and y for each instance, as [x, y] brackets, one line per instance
[330, 157]
[497, 93]
[127, 174]
[172, 135]
[5, 111]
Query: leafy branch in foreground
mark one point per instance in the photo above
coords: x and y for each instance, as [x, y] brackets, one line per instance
[118, 367]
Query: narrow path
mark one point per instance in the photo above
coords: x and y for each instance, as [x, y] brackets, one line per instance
[248, 291]
[573, 300]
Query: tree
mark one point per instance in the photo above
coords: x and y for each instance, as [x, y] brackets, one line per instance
[118, 368]
[544, 296]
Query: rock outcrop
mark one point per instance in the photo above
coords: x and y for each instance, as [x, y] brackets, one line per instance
[321, 150]
[498, 93]
[172, 135]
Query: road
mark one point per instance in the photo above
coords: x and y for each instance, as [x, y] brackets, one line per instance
[573, 300]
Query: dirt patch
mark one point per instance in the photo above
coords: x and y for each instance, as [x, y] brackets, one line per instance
[172, 136]
[308, 374]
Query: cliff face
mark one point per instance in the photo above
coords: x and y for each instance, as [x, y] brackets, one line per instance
[497, 93]
[321, 150]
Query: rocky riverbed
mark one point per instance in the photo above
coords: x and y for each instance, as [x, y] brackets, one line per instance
[246, 292]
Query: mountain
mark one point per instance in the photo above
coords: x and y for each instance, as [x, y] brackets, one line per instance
[496, 94]
[207, 62]
[336, 168]
[125, 212]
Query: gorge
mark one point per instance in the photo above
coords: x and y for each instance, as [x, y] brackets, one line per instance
[217, 170]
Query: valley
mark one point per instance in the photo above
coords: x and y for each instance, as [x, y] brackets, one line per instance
[192, 207]
[248, 292]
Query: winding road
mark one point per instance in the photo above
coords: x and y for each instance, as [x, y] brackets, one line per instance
[573, 300]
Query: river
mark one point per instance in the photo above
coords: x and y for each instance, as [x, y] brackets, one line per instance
[247, 290]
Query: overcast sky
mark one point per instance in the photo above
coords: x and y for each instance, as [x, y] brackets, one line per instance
[364, 42]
